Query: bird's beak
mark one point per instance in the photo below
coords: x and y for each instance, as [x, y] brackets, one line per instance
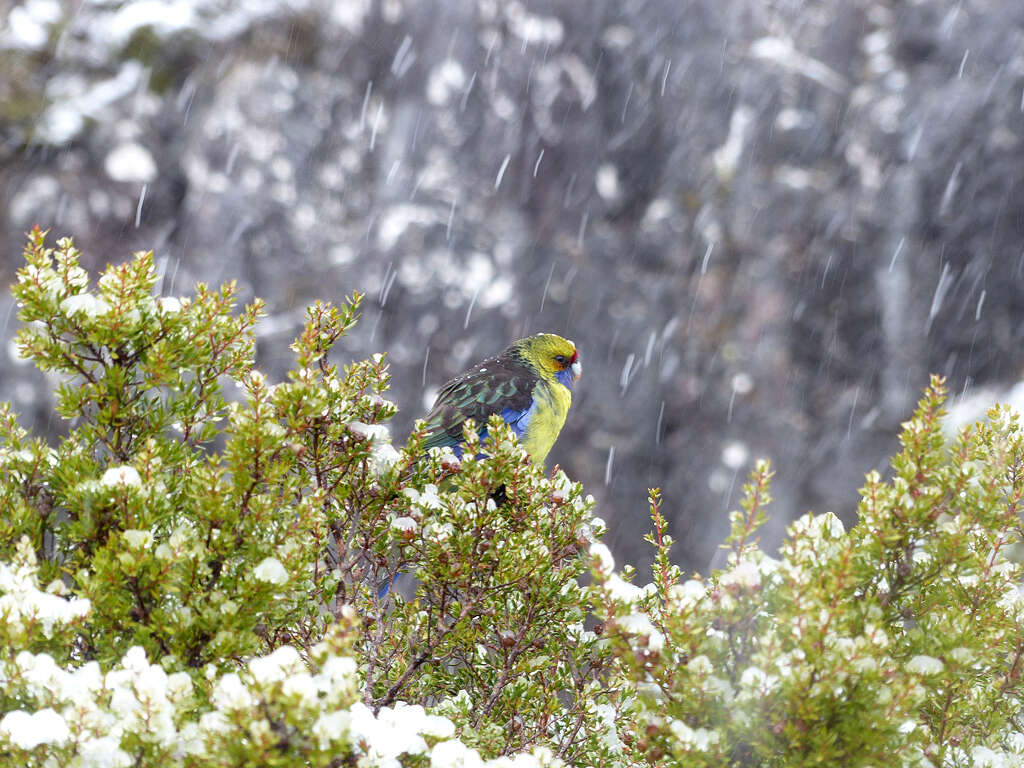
[577, 370]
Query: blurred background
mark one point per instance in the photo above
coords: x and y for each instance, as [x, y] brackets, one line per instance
[763, 223]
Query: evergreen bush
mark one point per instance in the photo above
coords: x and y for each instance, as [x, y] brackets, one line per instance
[211, 569]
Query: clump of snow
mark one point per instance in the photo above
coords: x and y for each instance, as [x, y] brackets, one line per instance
[30, 24]
[623, 591]
[332, 726]
[757, 681]
[640, 624]
[605, 559]
[726, 158]
[744, 575]
[924, 665]
[276, 667]
[404, 524]
[531, 28]
[397, 218]
[29, 730]
[229, 695]
[735, 454]
[138, 539]
[168, 304]
[447, 80]
[350, 14]
[813, 537]
[121, 476]
[165, 18]
[686, 595]
[397, 730]
[454, 754]
[606, 181]
[370, 431]
[143, 696]
[699, 739]
[383, 454]
[270, 571]
[84, 303]
[782, 52]
[422, 502]
[23, 602]
[130, 162]
[72, 100]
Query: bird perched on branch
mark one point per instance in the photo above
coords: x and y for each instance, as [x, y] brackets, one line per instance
[529, 385]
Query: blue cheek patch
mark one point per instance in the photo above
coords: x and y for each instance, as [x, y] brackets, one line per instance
[565, 378]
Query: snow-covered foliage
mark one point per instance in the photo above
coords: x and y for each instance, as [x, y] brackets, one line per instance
[223, 578]
[222, 560]
[772, 219]
[276, 706]
[899, 641]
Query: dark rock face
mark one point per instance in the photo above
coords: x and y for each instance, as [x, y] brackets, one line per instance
[763, 230]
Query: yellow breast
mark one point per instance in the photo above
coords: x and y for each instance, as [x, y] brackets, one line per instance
[551, 404]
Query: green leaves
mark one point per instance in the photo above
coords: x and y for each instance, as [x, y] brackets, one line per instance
[899, 640]
[140, 366]
[244, 571]
[207, 526]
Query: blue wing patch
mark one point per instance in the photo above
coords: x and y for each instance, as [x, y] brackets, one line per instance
[519, 420]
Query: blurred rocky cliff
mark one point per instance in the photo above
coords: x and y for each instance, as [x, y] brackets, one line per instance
[763, 223]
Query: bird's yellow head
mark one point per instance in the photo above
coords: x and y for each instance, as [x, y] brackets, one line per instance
[552, 356]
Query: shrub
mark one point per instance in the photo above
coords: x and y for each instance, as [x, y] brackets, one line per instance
[241, 572]
[899, 641]
[209, 536]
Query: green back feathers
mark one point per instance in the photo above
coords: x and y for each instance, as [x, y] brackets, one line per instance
[490, 386]
[507, 384]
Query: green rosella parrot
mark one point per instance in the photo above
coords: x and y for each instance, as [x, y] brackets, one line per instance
[529, 385]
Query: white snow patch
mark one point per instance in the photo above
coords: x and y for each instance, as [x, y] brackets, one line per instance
[84, 303]
[72, 101]
[607, 181]
[531, 28]
[29, 25]
[398, 218]
[735, 454]
[446, 80]
[924, 665]
[28, 731]
[781, 51]
[123, 475]
[164, 17]
[270, 571]
[132, 162]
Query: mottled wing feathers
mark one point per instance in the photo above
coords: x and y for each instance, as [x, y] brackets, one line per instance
[497, 385]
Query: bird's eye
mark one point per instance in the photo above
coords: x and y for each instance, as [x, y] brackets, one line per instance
[561, 359]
